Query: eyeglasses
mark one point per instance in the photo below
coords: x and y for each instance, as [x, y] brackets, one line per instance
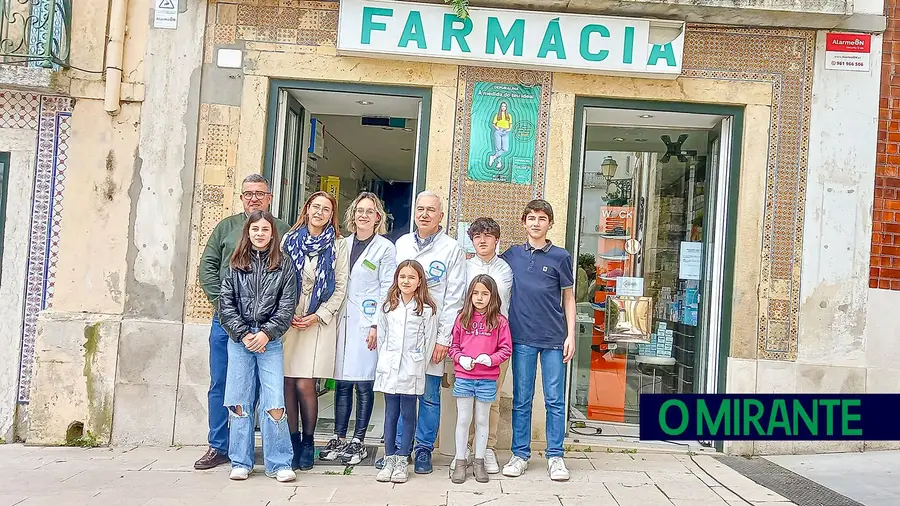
[250, 195]
[368, 212]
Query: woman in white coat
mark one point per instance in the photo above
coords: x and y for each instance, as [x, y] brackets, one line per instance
[372, 264]
[320, 257]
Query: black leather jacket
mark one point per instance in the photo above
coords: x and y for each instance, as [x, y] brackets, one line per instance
[258, 298]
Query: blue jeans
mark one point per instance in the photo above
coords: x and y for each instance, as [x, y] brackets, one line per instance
[397, 407]
[343, 405]
[429, 414]
[218, 371]
[501, 141]
[483, 390]
[553, 373]
[244, 369]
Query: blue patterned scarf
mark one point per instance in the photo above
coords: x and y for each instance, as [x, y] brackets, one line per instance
[300, 243]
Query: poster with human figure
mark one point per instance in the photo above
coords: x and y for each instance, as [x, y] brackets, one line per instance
[502, 132]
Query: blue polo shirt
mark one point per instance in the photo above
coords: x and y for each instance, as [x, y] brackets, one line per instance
[536, 316]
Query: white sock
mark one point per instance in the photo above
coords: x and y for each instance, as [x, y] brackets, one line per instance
[482, 421]
[463, 420]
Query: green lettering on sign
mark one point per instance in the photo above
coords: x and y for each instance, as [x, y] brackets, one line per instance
[812, 423]
[628, 53]
[685, 418]
[847, 417]
[586, 42]
[829, 404]
[779, 418]
[413, 31]
[451, 32]
[368, 24]
[553, 41]
[666, 52]
[495, 36]
[752, 419]
[704, 419]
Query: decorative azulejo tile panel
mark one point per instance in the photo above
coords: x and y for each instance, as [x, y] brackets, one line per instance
[783, 58]
[501, 201]
[19, 110]
[54, 128]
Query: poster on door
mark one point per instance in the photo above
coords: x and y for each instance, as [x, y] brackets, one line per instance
[503, 132]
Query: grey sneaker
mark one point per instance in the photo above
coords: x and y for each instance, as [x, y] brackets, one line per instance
[353, 453]
[334, 448]
[387, 471]
[401, 469]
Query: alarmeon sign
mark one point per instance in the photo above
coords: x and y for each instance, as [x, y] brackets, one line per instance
[510, 38]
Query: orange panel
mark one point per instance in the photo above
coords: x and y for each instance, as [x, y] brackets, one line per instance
[606, 396]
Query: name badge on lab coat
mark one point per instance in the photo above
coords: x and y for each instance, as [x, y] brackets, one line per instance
[436, 271]
[369, 265]
[368, 307]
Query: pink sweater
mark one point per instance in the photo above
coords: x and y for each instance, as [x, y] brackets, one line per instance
[496, 343]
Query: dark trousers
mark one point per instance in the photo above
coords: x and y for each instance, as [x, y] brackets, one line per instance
[395, 407]
[343, 405]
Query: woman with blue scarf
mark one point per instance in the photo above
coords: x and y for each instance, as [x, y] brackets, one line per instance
[322, 269]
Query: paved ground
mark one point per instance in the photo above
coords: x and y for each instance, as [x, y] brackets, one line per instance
[871, 478]
[164, 476]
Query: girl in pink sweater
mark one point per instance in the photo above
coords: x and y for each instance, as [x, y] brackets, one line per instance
[481, 342]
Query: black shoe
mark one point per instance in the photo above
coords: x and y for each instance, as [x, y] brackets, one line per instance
[354, 453]
[307, 454]
[211, 459]
[297, 445]
[423, 462]
[333, 449]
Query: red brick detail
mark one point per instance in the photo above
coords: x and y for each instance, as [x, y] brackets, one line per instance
[884, 269]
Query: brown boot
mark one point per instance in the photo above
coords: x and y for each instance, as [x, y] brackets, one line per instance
[459, 472]
[481, 475]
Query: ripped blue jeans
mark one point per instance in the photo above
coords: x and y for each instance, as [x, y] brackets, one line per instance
[244, 369]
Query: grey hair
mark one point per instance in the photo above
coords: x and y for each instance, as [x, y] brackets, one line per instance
[429, 193]
[256, 178]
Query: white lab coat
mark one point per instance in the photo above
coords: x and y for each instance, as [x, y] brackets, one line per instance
[444, 262]
[497, 269]
[370, 279]
[400, 332]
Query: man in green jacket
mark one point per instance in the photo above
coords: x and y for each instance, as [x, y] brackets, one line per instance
[256, 196]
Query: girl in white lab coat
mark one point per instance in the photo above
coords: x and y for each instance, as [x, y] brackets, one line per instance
[407, 331]
[372, 265]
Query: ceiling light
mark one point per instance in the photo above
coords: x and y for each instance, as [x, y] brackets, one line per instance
[640, 140]
[645, 116]
[386, 128]
[364, 102]
[407, 129]
[405, 149]
[618, 139]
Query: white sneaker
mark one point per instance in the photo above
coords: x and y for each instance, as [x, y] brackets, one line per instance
[468, 458]
[285, 475]
[239, 473]
[557, 470]
[384, 475]
[515, 467]
[401, 470]
[490, 462]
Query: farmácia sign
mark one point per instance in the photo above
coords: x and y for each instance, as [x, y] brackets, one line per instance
[509, 38]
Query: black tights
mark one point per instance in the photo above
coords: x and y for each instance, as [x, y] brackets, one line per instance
[301, 404]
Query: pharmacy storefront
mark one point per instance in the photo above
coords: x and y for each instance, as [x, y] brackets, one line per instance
[638, 132]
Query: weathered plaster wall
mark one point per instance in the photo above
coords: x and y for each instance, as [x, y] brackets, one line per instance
[836, 352]
[19, 142]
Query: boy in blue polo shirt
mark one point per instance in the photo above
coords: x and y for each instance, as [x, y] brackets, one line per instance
[542, 322]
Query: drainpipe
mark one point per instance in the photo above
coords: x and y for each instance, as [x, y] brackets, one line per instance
[115, 48]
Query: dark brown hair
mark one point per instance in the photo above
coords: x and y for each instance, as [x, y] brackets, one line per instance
[240, 259]
[538, 205]
[303, 219]
[421, 296]
[493, 308]
[484, 226]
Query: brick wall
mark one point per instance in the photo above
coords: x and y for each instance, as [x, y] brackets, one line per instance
[885, 261]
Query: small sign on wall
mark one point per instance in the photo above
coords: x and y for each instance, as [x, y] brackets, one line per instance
[848, 51]
[166, 14]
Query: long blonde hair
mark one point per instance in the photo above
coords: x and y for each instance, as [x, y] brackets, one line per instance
[422, 297]
[350, 214]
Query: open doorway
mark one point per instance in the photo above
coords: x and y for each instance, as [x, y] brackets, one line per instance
[652, 200]
[348, 139]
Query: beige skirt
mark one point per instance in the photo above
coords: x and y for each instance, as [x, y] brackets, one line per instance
[310, 353]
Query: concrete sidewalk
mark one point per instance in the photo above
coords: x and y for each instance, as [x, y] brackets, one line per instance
[165, 476]
[871, 478]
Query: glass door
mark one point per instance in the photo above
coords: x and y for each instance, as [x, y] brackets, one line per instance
[646, 196]
[287, 172]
